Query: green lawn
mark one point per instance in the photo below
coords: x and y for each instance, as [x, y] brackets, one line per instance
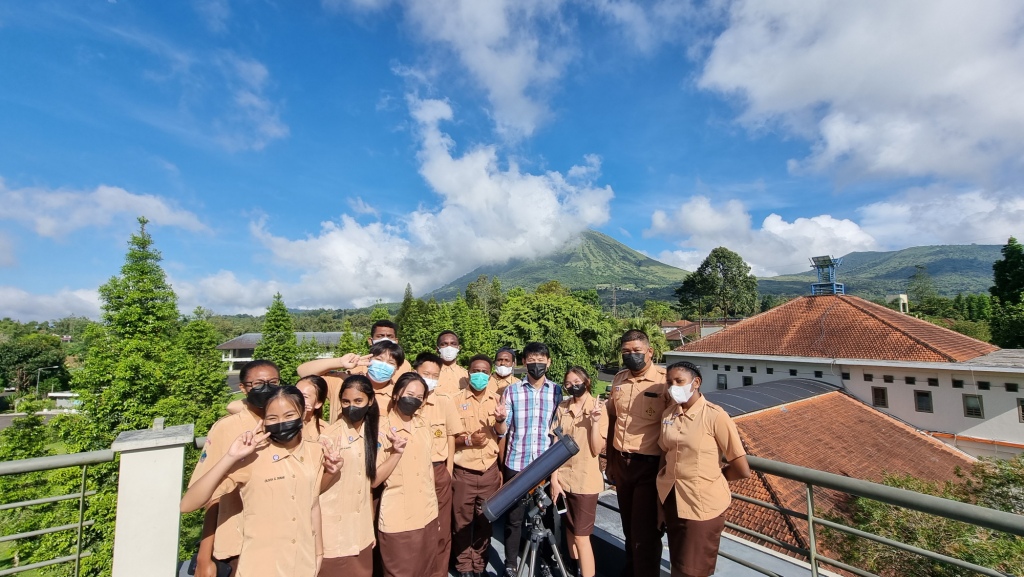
[7, 560]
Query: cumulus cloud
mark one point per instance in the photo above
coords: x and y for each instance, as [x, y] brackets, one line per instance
[19, 304]
[58, 212]
[919, 88]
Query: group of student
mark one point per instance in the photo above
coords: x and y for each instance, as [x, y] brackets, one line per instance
[393, 481]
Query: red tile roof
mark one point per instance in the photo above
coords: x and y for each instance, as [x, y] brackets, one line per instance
[846, 327]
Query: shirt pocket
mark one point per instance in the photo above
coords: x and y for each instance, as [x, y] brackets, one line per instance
[652, 405]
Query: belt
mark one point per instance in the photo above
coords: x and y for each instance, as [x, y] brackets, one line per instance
[474, 471]
[436, 463]
[640, 457]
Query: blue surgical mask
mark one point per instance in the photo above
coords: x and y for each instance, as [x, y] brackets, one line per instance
[479, 381]
[380, 371]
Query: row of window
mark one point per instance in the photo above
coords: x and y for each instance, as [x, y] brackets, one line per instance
[868, 377]
[769, 370]
[974, 406]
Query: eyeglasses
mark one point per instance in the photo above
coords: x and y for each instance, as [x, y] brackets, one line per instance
[258, 384]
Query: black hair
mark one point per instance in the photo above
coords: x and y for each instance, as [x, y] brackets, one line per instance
[370, 421]
[383, 323]
[243, 374]
[634, 335]
[686, 366]
[536, 349]
[484, 358]
[321, 395]
[427, 358]
[290, 392]
[403, 382]
[443, 333]
[393, 349]
[581, 373]
[508, 350]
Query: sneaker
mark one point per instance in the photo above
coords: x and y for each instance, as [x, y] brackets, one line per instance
[510, 572]
[545, 571]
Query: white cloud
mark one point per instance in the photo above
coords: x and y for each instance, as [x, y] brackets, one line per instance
[254, 120]
[360, 206]
[21, 305]
[56, 213]
[7, 257]
[926, 87]
[214, 13]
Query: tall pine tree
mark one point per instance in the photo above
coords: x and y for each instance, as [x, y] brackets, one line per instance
[278, 342]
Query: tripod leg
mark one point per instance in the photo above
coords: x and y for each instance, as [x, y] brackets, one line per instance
[554, 550]
[533, 559]
[523, 560]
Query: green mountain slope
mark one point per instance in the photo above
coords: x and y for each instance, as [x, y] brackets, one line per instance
[592, 261]
[953, 268]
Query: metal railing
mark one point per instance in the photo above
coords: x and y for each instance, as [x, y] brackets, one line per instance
[82, 460]
[812, 478]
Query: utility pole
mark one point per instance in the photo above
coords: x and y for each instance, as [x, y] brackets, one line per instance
[39, 372]
[614, 308]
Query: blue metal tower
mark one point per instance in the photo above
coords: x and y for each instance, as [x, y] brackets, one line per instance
[826, 268]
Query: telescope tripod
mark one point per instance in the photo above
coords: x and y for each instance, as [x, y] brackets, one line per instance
[539, 533]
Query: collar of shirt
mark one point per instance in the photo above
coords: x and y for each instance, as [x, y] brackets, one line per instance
[396, 423]
[547, 381]
[693, 411]
[652, 374]
[341, 428]
[469, 395]
[572, 409]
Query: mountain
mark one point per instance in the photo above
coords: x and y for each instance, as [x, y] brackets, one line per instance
[594, 260]
[953, 268]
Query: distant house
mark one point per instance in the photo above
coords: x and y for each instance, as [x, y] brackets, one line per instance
[239, 350]
[963, 391]
[678, 333]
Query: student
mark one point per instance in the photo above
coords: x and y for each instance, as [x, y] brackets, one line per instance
[383, 330]
[693, 485]
[579, 480]
[279, 478]
[445, 428]
[477, 475]
[452, 377]
[637, 402]
[314, 392]
[504, 363]
[347, 506]
[221, 540]
[407, 522]
[530, 405]
[380, 366]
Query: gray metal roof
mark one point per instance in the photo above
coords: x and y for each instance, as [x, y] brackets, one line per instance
[1001, 358]
[250, 340]
[743, 400]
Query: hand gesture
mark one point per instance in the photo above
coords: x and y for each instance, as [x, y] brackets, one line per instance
[353, 360]
[333, 462]
[398, 443]
[478, 439]
[500, 413]
[246, 443]
[597, 411]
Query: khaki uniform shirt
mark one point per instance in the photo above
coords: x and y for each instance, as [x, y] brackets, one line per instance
[409, 501]
[452, 379]
[581, 474]
[477, 413]
[334, 383]
[694, 443]
[278, 489]
[347, 506]
[227, 542]
[638, 403]
[498, 384]
[440, 414]
[312, 429]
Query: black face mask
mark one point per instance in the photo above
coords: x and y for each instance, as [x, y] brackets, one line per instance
[354, 414]
[258, 396]
[577, 391]
[536, 370]
[634, 361]
[409, 405]
[284, 432]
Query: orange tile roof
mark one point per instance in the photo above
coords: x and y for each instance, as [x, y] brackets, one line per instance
[845, 327]
[838, 434]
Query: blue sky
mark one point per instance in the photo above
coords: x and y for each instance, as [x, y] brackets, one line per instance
[336, 150]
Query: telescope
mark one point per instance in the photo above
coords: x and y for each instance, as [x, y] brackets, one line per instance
[532, 476]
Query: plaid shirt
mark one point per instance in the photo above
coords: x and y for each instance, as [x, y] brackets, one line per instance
[530, 412]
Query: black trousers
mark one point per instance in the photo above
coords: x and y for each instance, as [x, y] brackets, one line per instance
[513, 526]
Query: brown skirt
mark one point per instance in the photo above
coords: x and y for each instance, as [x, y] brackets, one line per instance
[580, 513]
[359, 565]
[404, 554]
[692, 544]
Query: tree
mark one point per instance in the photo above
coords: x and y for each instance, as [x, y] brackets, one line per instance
[408, 301]
[921, 287]
[1008, 273]
[722, 284]
[658, 312]
[277, 342]
[380, 313]
[22, 357]
[485, 295]
[474, 330]
[1008, 326]
[25, 438]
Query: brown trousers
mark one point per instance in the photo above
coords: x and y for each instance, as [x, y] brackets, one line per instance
[360, 565]
[472, 529]
[403, 553]
[692, 544]
[443, 487]
[637, 493]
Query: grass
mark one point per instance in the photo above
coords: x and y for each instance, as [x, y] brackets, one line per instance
[7, 560]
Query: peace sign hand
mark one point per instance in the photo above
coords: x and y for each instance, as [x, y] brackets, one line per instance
[333, 462]
[597, 411]
[353, 360]
[500, 413]
[246, 443]
[398, 443]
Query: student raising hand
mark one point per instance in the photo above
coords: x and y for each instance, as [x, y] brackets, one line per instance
[246, 443]
[333, 462]
[398, 443]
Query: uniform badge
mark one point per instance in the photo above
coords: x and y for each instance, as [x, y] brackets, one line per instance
[465, 407]
[393, 429]
[650, 412]
[438, 433]
[351, 438]
[277, 458]
[202, 457]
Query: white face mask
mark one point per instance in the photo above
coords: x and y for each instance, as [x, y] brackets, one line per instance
[375, 341]
[681, 393]
[448, 354]
[431, 383]
[503, 371]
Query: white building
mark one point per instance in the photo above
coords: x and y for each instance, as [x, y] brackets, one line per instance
[963, 391]
[240, 349]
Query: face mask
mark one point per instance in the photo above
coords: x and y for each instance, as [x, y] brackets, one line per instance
[577, 391]
[431, 383]
[681, 393]
[380, 371]
[479, 381]
[448, 354]
[375, 341]
[408, 405]
[634, 361]
[258, 396]
[503, 371]
[284, 432]
[354, 414]
[536, 370]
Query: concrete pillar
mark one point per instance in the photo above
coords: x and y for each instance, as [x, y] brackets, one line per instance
[148, 493]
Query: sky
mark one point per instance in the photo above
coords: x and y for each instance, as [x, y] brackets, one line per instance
[335, 151]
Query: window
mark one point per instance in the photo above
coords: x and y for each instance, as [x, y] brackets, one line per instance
[714, 367]
[984, 385]
[747, 381]
[770, 371]
[723, 382]
[739, 368]
[910, 380]
[1011, 387]
[846, 376]
[958, 383]
[973, 407]
[818, 374]
[753, 369]
[888, 378]
[1020, 410]
[923, 401]
[792, 372]
[933, 382]
[728, 367]
[868, 377]
[880, 397]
